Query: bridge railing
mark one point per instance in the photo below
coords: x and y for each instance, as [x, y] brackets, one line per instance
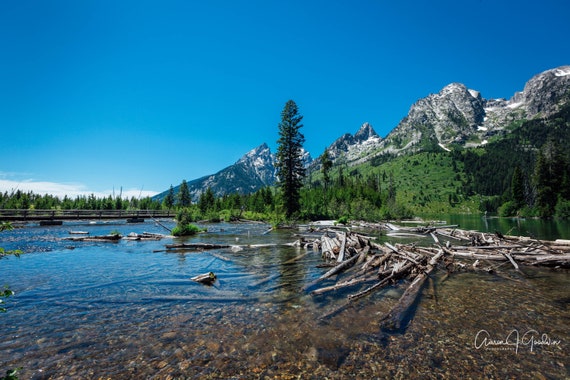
[38, 214]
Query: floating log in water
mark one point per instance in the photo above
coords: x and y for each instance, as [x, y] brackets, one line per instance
[144, 236]
[197, 246]
[102, 238]
[206, 278]
[111, 238]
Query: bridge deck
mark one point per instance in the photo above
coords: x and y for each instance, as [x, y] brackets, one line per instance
[31, 215]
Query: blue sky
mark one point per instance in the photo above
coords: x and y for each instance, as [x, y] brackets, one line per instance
[101, 95]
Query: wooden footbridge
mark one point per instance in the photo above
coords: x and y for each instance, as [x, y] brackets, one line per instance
[19, 215]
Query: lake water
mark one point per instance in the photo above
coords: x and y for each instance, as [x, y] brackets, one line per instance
[539, 229]
[129, 310]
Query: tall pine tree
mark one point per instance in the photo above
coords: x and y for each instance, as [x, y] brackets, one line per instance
[326, 165]
[517, 188]
[184, 199]
[169, 199]
[289, 165]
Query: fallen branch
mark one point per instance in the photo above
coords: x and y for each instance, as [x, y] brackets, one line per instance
[380, 284]
[515, 265]
[351, 282]
[393, 319]
[334, 270]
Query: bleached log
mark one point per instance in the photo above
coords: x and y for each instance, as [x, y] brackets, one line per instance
[345, 264]
[404, 254]
[403, 269]
[508, 256]
[206, 278]
[393, 319]
[393, 227]
[434, 237]
[340, 257]
[344, 284]
[550, 259]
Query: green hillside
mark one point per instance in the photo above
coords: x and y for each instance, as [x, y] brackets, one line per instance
[426, 183]
[525, 171]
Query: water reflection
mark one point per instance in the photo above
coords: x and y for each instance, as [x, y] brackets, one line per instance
[550, 229]
[125, 311]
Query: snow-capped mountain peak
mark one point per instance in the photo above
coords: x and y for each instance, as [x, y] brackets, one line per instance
[352, 147]
[256, 154]
[462, 116]
[365, 133]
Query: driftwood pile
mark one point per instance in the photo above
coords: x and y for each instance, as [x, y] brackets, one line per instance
[498, 247]
[375, 266]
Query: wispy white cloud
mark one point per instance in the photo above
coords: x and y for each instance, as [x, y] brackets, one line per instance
[137, 193]
[72, 190]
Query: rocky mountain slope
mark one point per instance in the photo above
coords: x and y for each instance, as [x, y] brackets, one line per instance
[253, 171]
[364, 140]
[352, 148]
[456, 115]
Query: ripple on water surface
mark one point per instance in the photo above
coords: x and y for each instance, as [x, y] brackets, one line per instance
[124, 310]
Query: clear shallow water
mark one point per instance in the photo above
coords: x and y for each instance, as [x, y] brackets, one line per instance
[539, 229]
[123, 310]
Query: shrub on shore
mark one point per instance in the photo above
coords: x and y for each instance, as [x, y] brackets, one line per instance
[185, 230]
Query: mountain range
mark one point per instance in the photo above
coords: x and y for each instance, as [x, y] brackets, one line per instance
[455, 116]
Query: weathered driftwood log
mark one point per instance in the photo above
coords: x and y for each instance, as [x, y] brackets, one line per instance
[550, 260]
[344, 284]
[515, 265]
[340, 257]
[335, 270]
[101, 238]
[206, 278]
[397, 272]
[405, 254]
[145, 236]
[394, 275]
[393, 319]
[330, 247]
[196, 246]
[369, 263]
[450, 234]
